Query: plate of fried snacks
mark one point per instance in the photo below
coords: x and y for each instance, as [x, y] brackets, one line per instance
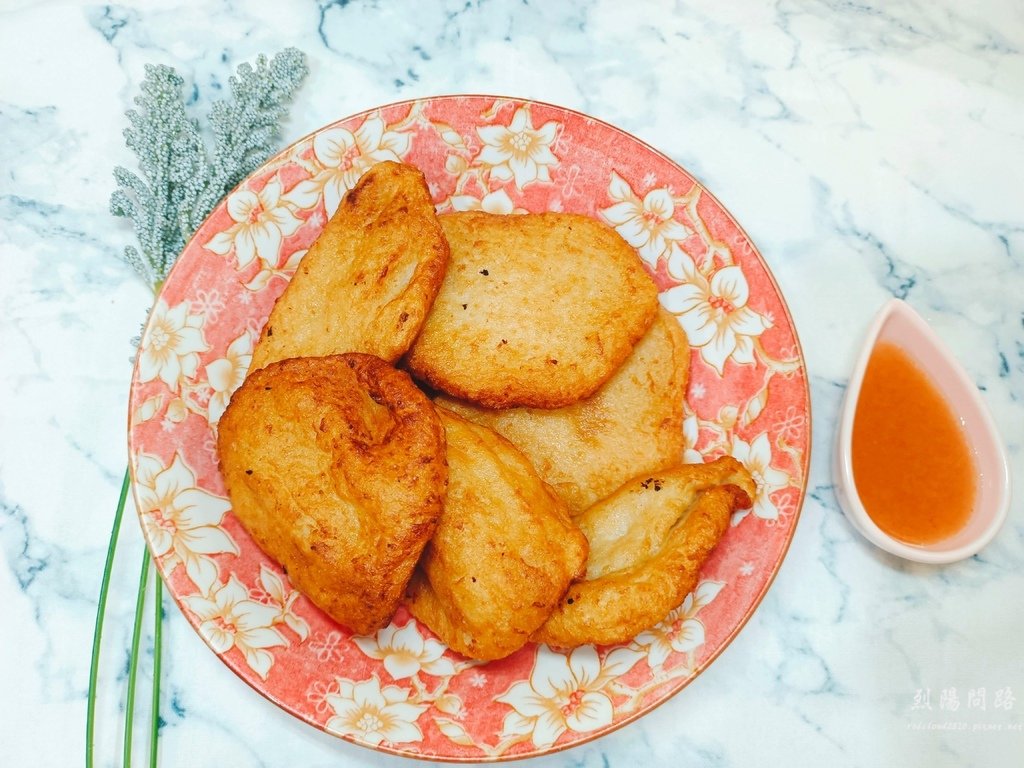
[469, 428]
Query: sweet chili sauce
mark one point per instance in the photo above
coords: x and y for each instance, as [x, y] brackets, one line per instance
[912, 464]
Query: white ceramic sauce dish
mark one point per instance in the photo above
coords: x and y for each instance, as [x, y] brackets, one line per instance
[898, 324]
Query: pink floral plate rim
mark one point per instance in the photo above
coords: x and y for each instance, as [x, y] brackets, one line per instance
[400, 691]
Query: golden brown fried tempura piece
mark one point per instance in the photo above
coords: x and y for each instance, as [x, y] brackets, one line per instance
[648, 541]
[632, 424]
[367, 282]
[535, 310]
[335, 466]
[504, 552]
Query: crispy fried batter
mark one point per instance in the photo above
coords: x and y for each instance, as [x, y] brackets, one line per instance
[632, 424]
[504, 552]
[336, 468]
[368, 281]
[648, 541]
[535, 310]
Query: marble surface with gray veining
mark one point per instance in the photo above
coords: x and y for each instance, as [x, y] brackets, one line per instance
[870, 149]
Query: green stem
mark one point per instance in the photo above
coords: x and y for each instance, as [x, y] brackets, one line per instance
[158, 615]
[133, 665]
[97, 633]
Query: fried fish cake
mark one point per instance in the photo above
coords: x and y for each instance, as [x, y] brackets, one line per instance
[535, 310]
[367, 282]
[632, 424]
[335, 466]
[648, 542]
[504, 552]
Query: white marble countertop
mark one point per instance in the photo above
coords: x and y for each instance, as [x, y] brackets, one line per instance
[869, 149]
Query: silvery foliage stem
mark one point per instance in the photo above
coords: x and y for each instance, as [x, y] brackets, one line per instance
[181, 182]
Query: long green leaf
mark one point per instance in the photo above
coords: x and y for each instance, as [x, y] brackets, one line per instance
[97, 633]
[158, 621]
[133, 664]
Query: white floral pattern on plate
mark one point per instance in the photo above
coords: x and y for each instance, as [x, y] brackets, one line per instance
[341, 156]
[227, 373]
[261, 221]
[171, 346]
[566, 692]
[681, 631]
[181, 521]
[401, 690]
[405, 652]
[374, 714]
[649, 224]
[229, 619]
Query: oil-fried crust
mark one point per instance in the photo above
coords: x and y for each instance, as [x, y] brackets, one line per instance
[504, 552]
[368, 281]
[648, 542]
[336, 468]
[632, 424]
[535, 310]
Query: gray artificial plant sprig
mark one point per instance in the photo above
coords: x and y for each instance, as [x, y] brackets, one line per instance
[181, 182]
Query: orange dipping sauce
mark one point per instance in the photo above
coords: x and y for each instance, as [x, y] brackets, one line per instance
[912, 464]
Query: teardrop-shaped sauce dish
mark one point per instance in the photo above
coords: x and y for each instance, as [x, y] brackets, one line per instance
[919, 467]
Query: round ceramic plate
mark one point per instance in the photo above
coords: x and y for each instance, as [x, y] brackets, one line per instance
[401, 690]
